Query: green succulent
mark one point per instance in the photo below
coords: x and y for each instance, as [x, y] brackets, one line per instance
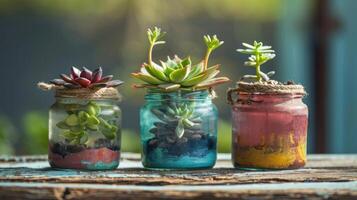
[178, 116]
[176, 73]
[79, 121]
[259, 54]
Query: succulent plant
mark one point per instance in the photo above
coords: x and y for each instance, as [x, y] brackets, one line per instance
[179, 74]
[80, 121]
[178, 116]
[177, 125]
[86, 78]
[259, 54]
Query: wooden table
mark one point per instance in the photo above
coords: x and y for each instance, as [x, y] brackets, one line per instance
[325, 177]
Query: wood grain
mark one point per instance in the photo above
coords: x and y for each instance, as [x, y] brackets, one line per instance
[325, 176]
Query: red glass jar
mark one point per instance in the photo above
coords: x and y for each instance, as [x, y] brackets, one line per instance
[269, 129]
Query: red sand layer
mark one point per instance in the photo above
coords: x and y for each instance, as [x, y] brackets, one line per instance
[81, 159]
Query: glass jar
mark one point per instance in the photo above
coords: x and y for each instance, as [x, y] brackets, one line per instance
[269, 131]
[178, 130]
[84, 133]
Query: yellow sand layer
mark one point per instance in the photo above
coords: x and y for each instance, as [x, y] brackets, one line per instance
[264, 157]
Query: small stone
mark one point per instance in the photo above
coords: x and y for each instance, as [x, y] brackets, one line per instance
[196, 136]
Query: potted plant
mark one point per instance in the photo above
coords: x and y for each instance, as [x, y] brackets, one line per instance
[85, 121]
[269, 117]
[179, 121]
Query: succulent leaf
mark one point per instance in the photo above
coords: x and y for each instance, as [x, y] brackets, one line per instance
[105, 79]
[212, 82]
[169, 86]
[97, 75]
[186, 62]
[57, 81]
[114, 83]
[156, 71]
[75, 72]
[147, 78]
[180, 129]
[67, 79]
[179, 75]
[196, 70]
[83, 81]
[195, 80]
[86, 73]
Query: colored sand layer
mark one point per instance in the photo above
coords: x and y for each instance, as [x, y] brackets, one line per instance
[90, 159]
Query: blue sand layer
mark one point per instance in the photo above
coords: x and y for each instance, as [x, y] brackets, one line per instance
[161, 160]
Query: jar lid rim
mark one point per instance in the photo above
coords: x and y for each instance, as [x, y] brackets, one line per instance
[271, 87]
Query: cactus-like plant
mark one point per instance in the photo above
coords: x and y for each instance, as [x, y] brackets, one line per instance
[179, 74]
[86, 78]
[259, 54]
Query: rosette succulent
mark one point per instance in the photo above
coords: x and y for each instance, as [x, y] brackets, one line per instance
[259, 54]
[86, 78]
[176, 73]
[178, 117]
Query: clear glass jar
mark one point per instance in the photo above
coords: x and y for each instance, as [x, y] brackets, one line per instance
[84, 134]
[178, 130]
[269, 131]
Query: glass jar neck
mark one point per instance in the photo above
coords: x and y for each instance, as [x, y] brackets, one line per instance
[71, 100]
[201, 95]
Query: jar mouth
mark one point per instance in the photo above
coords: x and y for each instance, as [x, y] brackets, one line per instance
[272, 87]
[272, 95]
[154, 95]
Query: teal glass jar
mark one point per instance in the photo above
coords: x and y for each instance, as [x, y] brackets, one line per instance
[179, 130]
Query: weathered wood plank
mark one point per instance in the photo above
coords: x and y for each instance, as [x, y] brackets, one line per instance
[325, 177]
[346, 190]
[319, 169]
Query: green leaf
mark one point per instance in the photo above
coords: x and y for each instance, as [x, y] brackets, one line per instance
[62, 125]
[92, 120]
[84, 138]
[83, 116]
[155, 35]
[180, 129]
[212, 82]
[76, 128]
[271, 73]
[179, 74]
[108, 133]
[212, 42]
[72, 120]
[185, 62]
[147, 78]
[171, 63]
[92, 127]
[195, 70]
[169, 86]
[195, 80]
[156, 71]
[188, 123]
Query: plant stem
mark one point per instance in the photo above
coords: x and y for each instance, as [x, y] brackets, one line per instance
[206, 59]
[150, 54]
[257, 67]
[257, 71]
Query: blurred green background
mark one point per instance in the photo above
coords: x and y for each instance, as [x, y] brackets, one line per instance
[41, 39]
